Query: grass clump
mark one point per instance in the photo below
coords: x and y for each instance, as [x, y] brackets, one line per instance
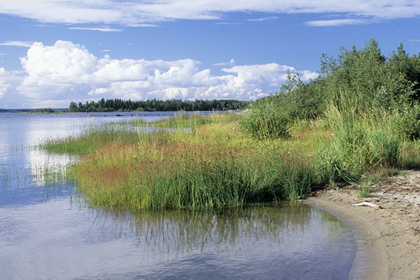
[363, 191]
[181, 119]
[213, 166]
[266, 121]
[362, 143]
[91, 140]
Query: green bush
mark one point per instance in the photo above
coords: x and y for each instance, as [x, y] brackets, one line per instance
[266, 121]
[407, 119]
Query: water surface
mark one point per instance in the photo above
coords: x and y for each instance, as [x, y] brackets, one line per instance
[47, 231]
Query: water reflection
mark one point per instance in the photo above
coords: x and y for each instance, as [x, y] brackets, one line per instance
[183, 230]
[273, 242]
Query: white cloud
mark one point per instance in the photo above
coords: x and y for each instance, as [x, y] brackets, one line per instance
[102, 29]
[32, 0]
[231, 62]
[336, 22]
[67, 71]
[25, 44]
[90, 11]
[143, 25]
[8, 82]
[130, 12]
[62, 64]
[263, 19]
[271, 74]
[3, 85]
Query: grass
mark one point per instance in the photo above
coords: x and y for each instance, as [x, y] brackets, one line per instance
[363, 143]
[215, 165]
[183, 120]
[363, 191]
[204, 169]
[212, 165]
[91, 140]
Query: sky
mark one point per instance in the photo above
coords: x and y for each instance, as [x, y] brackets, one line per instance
[56, 52]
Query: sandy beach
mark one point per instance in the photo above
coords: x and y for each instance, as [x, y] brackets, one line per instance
[387, 232]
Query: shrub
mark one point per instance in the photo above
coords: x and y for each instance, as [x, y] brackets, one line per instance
[407, 119]
[266, 121]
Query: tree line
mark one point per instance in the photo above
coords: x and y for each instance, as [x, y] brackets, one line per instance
[120, 105]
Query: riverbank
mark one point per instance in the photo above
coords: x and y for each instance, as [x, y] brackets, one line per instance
[388, 236]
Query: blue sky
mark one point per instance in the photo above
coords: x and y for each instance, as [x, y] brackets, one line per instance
[55, 52]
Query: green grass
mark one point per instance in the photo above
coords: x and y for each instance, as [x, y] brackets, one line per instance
[190, 121]
[363, 191]
[216, 165]
[363, 143]
[209, 168]
[91, 140]
[213, 165]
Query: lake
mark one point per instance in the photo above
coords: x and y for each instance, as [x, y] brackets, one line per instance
[48, 232]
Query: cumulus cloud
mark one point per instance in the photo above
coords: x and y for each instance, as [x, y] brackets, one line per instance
[67, 71]
[130, 12]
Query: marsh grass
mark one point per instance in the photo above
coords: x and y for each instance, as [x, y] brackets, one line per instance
[410, 155]
[363, 143]
[91, 140]
[49, 175]
[216, 165]
[211, 166]
[183, 120]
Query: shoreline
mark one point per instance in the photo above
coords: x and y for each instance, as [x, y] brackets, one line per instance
[388, 238]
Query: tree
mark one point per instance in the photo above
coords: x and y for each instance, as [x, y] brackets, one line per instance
[73, 107]
[409, 66]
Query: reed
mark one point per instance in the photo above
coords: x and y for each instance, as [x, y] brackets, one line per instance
[410, 155]
[363, 142]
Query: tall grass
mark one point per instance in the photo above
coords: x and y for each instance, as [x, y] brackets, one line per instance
[410, 155]
[363, 142]
[266, 121]
[183, 120]
[213, 166]
[91, 140]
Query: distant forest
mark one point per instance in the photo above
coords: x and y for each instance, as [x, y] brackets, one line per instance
[119, 105]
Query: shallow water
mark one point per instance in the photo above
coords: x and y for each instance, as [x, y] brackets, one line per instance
[47, 232]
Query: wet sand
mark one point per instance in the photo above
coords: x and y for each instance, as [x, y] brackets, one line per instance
[389, 236]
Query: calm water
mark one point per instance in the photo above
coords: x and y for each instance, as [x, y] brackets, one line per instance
[47, 232]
